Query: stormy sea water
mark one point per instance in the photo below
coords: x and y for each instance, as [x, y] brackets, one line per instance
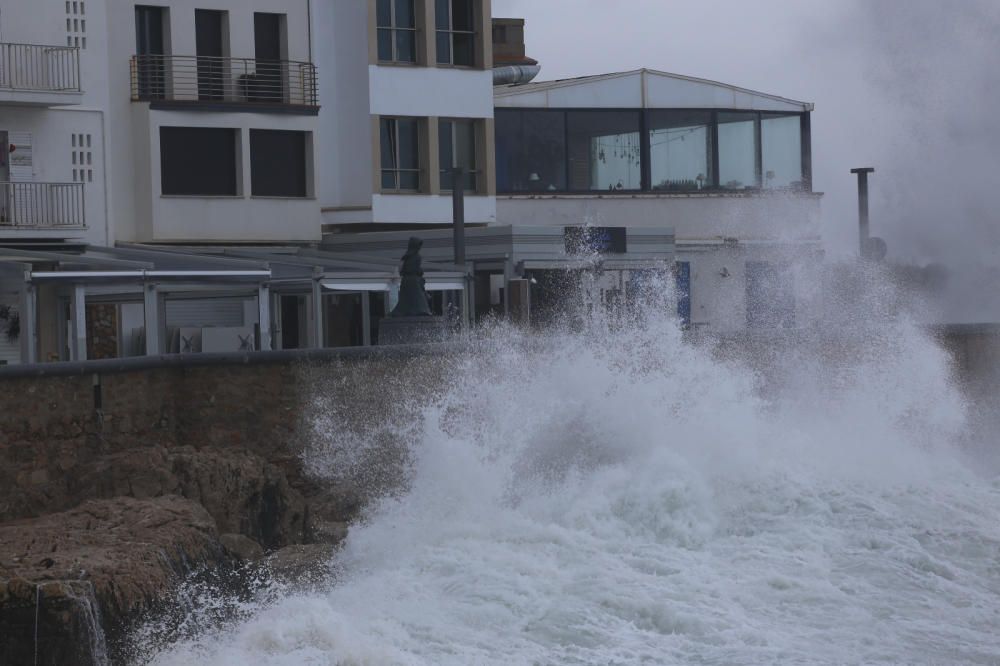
[614, 494]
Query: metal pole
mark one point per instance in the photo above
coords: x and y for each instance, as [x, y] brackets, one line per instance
[458, 235]
[151, 319]
[864, 233]
[78, 316]
[458, 214]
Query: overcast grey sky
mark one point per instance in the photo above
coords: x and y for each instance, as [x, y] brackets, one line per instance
[911, 87]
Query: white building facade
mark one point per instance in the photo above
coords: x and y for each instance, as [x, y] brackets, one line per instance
[410, 96]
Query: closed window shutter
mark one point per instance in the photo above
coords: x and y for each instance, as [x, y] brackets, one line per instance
[21, 168]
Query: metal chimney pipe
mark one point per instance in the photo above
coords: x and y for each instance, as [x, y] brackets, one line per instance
[863, 222]
[458, 214]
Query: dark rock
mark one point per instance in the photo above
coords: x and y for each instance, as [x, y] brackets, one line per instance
[86, 573]
[242, 548]
[302, 565]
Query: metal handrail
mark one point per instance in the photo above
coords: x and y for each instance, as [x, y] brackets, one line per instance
[39, 68]
[223, 79]
[42, 205]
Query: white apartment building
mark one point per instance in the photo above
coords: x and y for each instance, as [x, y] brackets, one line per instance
[208, 122]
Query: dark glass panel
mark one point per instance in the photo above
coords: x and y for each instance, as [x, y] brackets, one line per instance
[464, 52]
[442, 18]
[198, 161]
[443, 48]
[385, 44]
[530, 151]
[462, 15]
[387, 132]
[404, 14]
[406, 46]
[408, 144]
[278, 163]
[446, 152]
[383, 13]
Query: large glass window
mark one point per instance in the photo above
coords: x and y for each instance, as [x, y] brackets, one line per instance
[737, 150]
[456, 32]
[680, 150]
[400, 154]
[457, 144]
[531, 151]
[605, 150]
[397, 30]
[278, 165]
[781, 148]
[199, 161]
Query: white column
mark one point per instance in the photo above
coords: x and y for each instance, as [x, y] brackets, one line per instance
[78, 317]
[316, 312]
[152, 322]
[264, 317]
[29, 324]
[366, 318]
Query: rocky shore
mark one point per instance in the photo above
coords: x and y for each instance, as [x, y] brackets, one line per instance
[73, 583]
[117, 489]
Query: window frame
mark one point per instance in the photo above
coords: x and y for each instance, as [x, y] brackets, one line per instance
[393, 29]
[476, 11]
[713, 185]
[475, 173]
[396, 171]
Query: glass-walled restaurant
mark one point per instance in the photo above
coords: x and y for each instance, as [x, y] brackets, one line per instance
[653, 150]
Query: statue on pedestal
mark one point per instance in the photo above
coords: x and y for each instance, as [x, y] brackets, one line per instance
[412, 296]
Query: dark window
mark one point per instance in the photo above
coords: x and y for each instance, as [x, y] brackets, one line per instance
[400, 153]
[150, 50]
[457, 146]
[680, 150]
[531, 151]
[210, 29]
[456, 32]
[397, 31]
[278, 163]
[738, 151]
[267, 82]
[199, 161]
[781, 150]
[605, 150]
[770, 296]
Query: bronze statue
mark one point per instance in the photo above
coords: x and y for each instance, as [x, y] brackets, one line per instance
[412, 296]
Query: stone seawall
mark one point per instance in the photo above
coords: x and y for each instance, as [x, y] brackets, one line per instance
[117, 478]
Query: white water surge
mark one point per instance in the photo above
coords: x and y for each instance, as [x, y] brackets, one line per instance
[623, 498]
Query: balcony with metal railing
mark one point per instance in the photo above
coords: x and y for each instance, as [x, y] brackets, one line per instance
[42, 206]
[226, 83]
[37, 75]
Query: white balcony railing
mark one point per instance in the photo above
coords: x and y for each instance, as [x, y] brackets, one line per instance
[36, 68]
[42, 206]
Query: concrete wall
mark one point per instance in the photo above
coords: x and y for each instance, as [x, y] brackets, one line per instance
[59, 432]
[776, 217]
